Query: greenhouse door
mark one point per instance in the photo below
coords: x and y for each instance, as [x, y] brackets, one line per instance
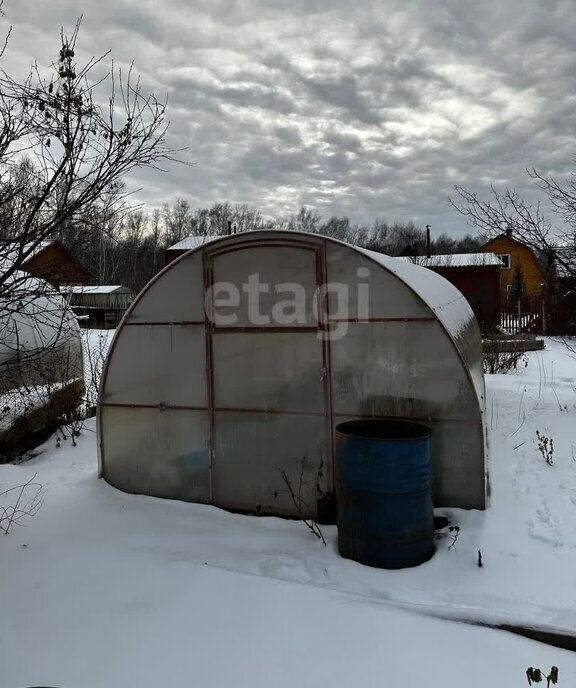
[268, 376]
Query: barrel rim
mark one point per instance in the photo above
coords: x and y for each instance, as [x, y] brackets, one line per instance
[418, 431]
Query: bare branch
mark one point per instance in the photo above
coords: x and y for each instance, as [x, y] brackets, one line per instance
[27, 500]
[300, 504]
[79, 152]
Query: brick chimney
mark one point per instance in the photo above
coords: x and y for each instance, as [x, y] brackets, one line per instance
[509, 231]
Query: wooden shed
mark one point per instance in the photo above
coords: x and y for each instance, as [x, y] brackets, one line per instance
[99, 306]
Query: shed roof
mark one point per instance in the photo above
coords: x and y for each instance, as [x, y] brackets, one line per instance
[96, 289]
[193, 242]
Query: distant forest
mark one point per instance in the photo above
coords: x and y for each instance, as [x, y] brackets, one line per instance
[128, 248]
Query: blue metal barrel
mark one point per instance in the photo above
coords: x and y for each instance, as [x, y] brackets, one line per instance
[384, 492]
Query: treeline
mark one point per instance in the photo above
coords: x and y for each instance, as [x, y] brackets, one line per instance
[128, 249]
[123, 245]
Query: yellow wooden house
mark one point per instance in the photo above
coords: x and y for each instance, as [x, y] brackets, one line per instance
[514, 253]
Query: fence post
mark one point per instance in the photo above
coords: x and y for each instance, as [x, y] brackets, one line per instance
[543, 316]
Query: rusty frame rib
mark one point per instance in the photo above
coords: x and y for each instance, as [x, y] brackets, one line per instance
[280, 412]
[378, 320]
[163, 407]
[212, 250]
[322, 276]
[151, 323]
[208, 322]
[263, 330]
[275, 328]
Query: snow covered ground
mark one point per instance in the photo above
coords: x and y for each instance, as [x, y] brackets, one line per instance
[108, 589]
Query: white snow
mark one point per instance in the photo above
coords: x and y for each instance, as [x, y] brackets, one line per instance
[108, 589]
[95, 289]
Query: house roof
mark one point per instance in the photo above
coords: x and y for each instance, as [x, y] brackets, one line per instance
[503, 235]
[540, 256]
[11, 253]
[455, 260]
[32, 250]
[567, 254]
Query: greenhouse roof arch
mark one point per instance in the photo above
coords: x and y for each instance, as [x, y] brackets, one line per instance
[234, 365]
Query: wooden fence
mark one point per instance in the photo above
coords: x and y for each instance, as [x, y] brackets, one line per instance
[552, 315]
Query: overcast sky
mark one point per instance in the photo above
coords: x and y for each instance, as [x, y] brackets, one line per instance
[369, 109]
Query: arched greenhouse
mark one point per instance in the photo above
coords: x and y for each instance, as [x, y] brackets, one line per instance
[232, 368]
[41, 369]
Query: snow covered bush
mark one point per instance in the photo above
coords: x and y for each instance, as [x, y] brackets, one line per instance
[497, 361]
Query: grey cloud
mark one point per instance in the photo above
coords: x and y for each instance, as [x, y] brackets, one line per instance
[347, 142]
[367, 110]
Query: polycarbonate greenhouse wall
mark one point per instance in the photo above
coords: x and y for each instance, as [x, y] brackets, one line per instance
[40, 341]
[238, 360]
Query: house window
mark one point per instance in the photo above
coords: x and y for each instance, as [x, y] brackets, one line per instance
[505, 258]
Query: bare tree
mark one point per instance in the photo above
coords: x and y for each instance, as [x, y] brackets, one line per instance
[245, 218]
[506, 210]
[78, 150]
[394, 239]
[155, 235]
[306, 220]
[177, 221]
